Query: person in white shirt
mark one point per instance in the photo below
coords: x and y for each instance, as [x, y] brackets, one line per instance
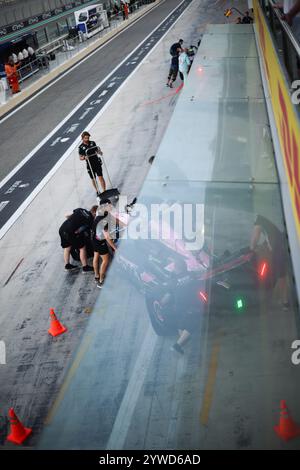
[20, 57]
[30, 50]
[25, 53]
[184, 64]
[15, 58]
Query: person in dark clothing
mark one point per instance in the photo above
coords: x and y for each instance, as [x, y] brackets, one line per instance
[173, 72]
[176, 48]
[190, 309]
[181, 292]
[101, 241]
[276, 242]
[123, 10]
[247, 18]
[72, 235]
[89, 151]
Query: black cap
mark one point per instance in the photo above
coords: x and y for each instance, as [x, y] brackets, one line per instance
[105, 201]
[181, 40]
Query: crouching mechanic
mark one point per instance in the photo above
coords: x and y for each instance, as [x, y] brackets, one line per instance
[89, 151]
[72, 235]
[276, 242]
[103, 223]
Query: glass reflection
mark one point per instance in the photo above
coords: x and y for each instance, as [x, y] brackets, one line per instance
[169, 310]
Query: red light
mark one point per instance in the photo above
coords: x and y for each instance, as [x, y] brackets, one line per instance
[203, 296]
[200, 69]
[263, 269]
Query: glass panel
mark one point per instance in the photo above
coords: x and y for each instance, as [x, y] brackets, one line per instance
[189, 343]
[227, 46]
[41, 37]
[71, 21]
[227, 78]
[144, 395]
[52, 31]
[242, 153]
[62, 26]
[229, 28]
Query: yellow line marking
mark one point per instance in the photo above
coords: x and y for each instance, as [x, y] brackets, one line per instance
[209, 388]
[83, 349]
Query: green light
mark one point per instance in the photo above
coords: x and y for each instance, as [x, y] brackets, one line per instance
[239, 304]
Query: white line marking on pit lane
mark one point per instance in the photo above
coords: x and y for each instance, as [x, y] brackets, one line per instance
[13, 187]
[59, 163]
[93, 102]
[64, 139]
[55, 142]
[85, 113]
[72, 128]
[103, 93]
[110, 85]
[3, 204]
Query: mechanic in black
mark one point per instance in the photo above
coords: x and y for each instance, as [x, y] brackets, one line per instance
[173, 72]
[72, 234]
[247, 19]
[176, 48]
[276, 243]
[181, 291]
[101, 240]
[89, 151]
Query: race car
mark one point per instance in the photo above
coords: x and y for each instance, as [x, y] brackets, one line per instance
[206, 282]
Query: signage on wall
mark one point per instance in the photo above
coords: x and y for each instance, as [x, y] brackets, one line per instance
[286, 117]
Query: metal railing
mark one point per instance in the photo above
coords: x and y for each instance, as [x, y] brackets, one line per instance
[31, 67]
[288, 47]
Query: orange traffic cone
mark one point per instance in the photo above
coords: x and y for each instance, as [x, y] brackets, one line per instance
[18, 432]
[287, 428]
[56, 328]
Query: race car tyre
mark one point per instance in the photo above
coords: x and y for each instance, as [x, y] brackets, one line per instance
[160, 318]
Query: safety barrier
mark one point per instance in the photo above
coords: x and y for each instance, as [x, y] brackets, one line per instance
[285, 111]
